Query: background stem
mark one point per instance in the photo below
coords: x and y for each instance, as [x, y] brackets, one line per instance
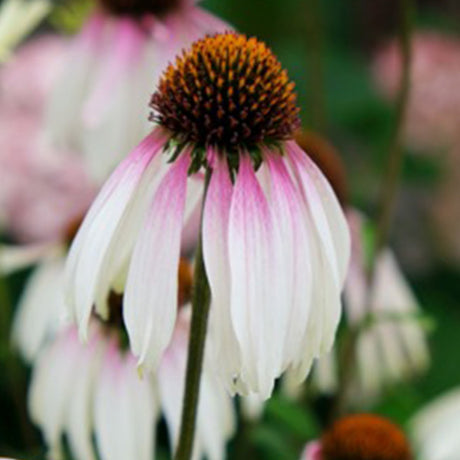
[388, 198]
[200, 312]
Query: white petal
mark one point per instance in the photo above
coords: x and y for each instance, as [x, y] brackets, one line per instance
[93, 243]
[326, 212]
[293, 263]
[125, 410]
[250, 248]
[216, 258]
[13, 258]
[51, 387]
[150, 301]
[41, 309]
[79, 423]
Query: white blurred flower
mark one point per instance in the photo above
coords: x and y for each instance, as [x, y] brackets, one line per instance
[391, 344]
[436, 428]
[90, 390]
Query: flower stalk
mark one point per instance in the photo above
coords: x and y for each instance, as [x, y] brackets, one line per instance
[392, 180]
[201, 300]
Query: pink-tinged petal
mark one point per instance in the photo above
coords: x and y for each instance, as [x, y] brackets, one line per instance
[312, 451]
[252, 289]
[63, 115]
[326, 308]
[150, 301]
[216, 258]
[125, 409]
[51, 388]
[126, 47]
[325, 210]
[40, 311]
[294, 258]
[94, 241]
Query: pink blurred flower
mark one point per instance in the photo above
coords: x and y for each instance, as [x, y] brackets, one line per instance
[434, 109]
[42, 190]
[28, 77]
[312, 451]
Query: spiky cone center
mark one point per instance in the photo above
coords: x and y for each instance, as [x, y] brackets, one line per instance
[365, 437]
[227, 91]
[138, 8]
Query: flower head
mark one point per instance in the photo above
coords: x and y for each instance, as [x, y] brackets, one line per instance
[364, 437]
[275, 241]
[227, 91]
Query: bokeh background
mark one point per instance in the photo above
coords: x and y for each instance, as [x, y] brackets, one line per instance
[329, 48]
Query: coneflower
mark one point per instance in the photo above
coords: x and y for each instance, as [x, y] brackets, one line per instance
[275, 241]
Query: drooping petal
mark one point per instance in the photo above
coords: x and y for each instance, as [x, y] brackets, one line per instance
[150, 301]
[79, 424]
[125, 410]
[250, 248]
[216, 257]
[40, 312]
[93, 243]
[294, 255]
[13, 258]
[325, 210]
[52, 386]
[115, 115]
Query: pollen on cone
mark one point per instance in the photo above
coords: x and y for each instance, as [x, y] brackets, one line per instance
[228, 90]
[365, 437]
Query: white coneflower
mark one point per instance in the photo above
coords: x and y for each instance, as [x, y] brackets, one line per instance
[99, 105]
[275, 241]
[93, 391]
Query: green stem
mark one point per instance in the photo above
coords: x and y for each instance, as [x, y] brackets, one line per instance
[200, 312]
[392, 180]
[388, 198]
